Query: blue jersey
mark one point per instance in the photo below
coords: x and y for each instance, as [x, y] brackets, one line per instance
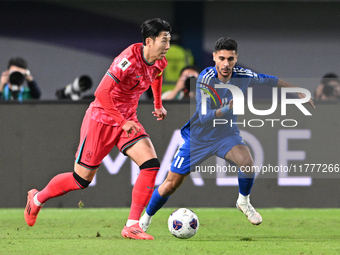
[200, 127]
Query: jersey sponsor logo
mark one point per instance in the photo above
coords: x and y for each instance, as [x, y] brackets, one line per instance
[124, 64]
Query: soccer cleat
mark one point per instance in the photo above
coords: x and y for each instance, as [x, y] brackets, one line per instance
[31, 210]
[145, 222]
[135, 232]
[249, 211]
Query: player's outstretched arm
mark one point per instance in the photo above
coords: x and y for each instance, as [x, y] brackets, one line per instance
[285, 84]
[160, 113]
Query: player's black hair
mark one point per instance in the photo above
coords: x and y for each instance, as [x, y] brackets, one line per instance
[19, 62]
[329, 77]
[152, 28]
[225, 44]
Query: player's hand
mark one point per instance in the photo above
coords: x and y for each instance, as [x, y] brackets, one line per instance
[160, 113]
[311, 102]
[130, 127]
[231, 104]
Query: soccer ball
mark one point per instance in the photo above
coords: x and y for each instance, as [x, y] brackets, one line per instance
[183, 223]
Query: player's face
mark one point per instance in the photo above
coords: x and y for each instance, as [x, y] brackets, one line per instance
[225, 61]
[160, 46]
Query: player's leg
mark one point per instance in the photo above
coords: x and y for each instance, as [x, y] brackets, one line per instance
[179, 170]
[241, 156]
[143, 154]
[88, 159]
[59, 185]
[160, 196]
[63, 183]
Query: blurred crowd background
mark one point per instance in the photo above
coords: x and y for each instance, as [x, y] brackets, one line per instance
[63, 40]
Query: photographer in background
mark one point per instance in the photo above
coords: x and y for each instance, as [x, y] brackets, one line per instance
[182, 89]
[329, 89]
[12, 82]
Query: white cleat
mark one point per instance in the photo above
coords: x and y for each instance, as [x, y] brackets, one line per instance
[249, 211]
[145, 222]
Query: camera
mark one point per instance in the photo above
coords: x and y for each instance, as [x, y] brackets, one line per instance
[190, 84]
[73, 91]
[16, 79]
[328, 90]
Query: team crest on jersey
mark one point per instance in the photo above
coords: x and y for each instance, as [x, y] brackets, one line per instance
[124, 64]
[88, 156]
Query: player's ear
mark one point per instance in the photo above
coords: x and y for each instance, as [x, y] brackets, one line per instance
[214, 56]
[147, 41]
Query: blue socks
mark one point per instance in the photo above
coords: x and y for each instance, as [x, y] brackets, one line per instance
[245, 182]
[156, 202]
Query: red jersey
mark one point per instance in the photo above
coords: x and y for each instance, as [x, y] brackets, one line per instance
[128, 77]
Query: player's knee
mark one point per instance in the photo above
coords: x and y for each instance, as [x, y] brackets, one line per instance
[83, 183]
[152, 164]
[247, 162]
[247, 165]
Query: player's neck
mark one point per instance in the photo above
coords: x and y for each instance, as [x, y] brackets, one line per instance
[147, 56]
[224, 79]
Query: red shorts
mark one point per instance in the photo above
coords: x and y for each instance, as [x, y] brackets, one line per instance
[98, 139]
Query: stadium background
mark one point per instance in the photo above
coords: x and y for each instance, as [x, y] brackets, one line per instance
[297, 41]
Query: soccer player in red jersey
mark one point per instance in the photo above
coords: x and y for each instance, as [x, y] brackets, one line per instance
[111, 120]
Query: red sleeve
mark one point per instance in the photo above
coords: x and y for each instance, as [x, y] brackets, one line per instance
[103, 96]
[157, 91]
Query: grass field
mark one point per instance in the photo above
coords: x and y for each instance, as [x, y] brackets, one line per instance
[221, 231]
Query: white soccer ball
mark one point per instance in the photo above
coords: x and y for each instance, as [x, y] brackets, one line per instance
[183, 223]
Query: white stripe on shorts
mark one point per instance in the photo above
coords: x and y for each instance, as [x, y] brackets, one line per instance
[180, 163]
[177, 161]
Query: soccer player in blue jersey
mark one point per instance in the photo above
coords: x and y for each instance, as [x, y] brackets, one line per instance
[203, 140]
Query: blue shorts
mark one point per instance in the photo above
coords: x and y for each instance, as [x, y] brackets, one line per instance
[192, 154]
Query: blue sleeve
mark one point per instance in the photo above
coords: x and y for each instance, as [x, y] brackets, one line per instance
[264, 79]
[199, 92]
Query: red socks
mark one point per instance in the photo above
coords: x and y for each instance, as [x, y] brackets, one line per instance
[58, 186]
[142, 191]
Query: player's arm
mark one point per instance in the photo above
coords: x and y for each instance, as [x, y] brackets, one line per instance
[156, 87]
[283, 84]
[225, 109]
[272, 81]
[202, 96]
[104, 97]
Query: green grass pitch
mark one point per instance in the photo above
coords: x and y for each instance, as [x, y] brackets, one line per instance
[221, 231]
